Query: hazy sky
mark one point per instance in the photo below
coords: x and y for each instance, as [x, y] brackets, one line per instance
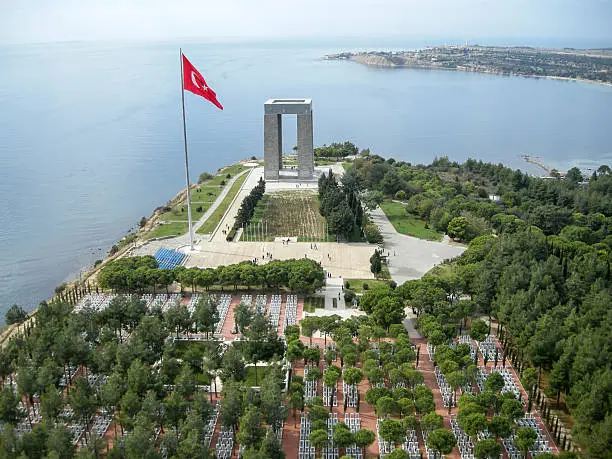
[60, 20]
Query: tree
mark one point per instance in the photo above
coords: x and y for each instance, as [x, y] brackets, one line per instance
[512, 409]
[386, 406]
[397, 454]
[392, 431]
[59, 441]
[479, 330]
[319, 439]
[375, 263]
[574, 175]
[232, 365]
[242, 316]
[487, 448]
[494, 382]
[364, 438]
[387, 311]
[271, 448]
[499, 427]
[9, 413]
[441, 441]
[432, 421]
[525, 438]
[51, 403]
[342, 435]
[82, 400]
[15, 315]
[458, 228]
[251, 428]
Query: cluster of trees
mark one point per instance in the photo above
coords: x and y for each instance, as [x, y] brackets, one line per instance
[384, 305]
[454, 198]
[249, 203]
[137, 274]
[151, 382]
[341, 207]
[551, 298]
[336, 150]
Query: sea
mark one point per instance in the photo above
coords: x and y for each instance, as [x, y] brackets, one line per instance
[91, 133]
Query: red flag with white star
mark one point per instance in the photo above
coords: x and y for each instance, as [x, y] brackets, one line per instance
[194, 82]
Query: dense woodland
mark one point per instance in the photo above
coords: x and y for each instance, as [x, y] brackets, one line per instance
[538, 262]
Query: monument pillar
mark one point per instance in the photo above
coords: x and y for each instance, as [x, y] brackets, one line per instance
[305, 147]
[273, 146]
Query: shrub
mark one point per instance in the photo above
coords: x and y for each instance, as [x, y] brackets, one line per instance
[97, 262]
[142, 222]
[372, 234]
[349, 296]
[393, 285]
[204, 176]
[366, 286]
[401, 195]
[347, 284]
[228, 176]
[222, 182]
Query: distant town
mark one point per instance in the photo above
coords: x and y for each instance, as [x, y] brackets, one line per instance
[567, 63]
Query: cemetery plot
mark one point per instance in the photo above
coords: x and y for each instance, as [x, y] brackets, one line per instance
[288, 214]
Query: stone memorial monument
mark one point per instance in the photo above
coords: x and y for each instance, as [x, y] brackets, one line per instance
[274, 109]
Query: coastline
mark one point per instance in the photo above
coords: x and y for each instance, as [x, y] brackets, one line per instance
[89, 272]
[384, 63]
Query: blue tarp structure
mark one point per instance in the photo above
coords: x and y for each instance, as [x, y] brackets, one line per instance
[168, 259]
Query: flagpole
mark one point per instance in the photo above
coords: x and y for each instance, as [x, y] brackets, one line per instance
[186, 160]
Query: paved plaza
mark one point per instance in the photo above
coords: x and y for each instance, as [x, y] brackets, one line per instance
[409, 257]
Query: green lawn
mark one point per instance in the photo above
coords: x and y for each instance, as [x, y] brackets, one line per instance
[249, 379]
[169, 229]
[313, 302]
[356, 285]
[347, 166]
[405, 223]
[212, 222]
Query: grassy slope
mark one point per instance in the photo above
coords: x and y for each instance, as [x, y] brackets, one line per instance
[212, 222]
[405, 223]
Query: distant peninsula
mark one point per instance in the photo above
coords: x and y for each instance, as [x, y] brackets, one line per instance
[594, 65]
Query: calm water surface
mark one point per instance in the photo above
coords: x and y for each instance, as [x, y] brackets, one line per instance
[91, 136]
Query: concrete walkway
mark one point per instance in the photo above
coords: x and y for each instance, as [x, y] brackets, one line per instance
[227, 222]
[219, 200]
[411, 257]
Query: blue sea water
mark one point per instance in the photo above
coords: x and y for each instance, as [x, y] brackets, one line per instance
[91, 134]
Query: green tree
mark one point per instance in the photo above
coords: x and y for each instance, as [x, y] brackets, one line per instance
[525, 438]
[387, 311]
[432, 421]
[364, 438]
[441, 441]
[318, 439]
[494, 382]
[397, 454]
[15, 315]
[458, 228]
[392, 431]
[499, 427]
[479, 330]
[242, 316]
[251, 427]
[487, 448]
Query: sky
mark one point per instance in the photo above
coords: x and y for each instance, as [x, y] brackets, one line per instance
[35, 21]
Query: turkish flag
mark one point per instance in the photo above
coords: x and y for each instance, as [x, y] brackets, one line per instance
[194, 82]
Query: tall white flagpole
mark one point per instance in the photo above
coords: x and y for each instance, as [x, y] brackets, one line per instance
[186, 160]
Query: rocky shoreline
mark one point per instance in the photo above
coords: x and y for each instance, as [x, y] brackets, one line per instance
[591, 66]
